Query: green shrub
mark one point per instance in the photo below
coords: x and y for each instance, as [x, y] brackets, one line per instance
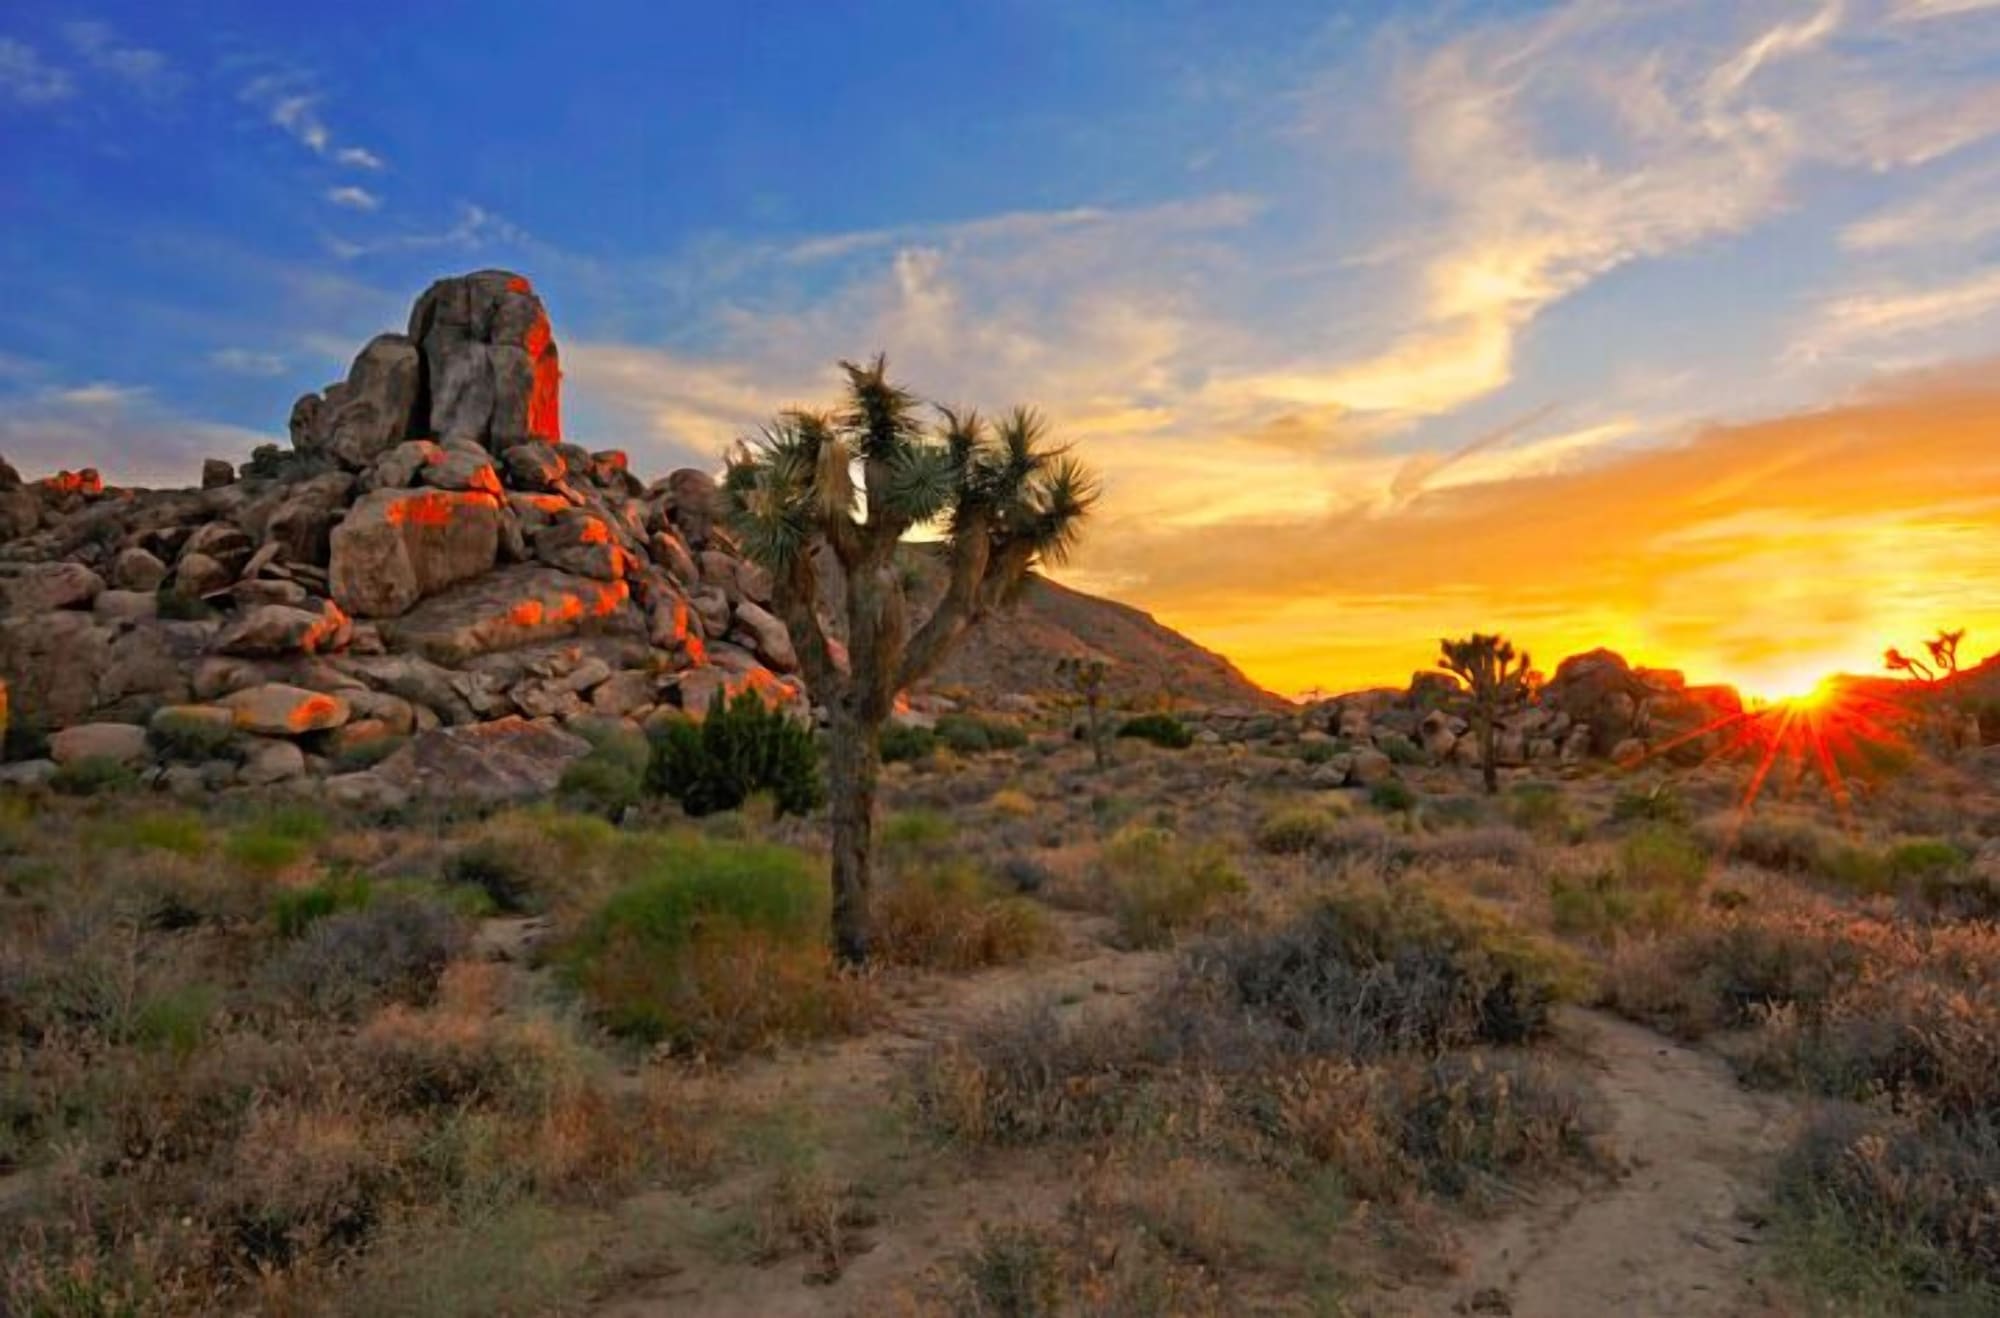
[918, 831]
[1317, 752]
[1297, 830]
[1160, 885]
[176, 1020]
[602, 783]
[1400, 749]
[1659, 803]
[193, 740]
[177, 607]
[93, 775]
[294, 909]
[948, 916]
[720, 947]
[24, 738]
[1539, 808]
[275, 841]
[1662, 858]
[365, 755]
[507, 874]
[1392, 796]
[180, 832]
[345, 964]
[968, 734]
[1160, 729]
[1926, 861]
[742, 747]
[904, 742]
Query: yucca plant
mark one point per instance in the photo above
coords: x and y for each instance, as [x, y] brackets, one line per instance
[1498, 679]
[839, 491]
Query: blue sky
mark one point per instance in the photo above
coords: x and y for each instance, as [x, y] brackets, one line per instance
[1291, 273]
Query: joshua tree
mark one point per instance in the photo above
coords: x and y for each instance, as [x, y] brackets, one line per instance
[1942, 665]
[1933, 673]
[1086, 678]
[847, 486]
[1498, 680]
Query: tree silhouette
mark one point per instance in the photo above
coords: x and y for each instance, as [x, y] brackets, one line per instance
[1085, 677]
[847, 486]
[1498, 680]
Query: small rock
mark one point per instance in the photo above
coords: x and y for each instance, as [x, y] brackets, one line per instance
[123, 742]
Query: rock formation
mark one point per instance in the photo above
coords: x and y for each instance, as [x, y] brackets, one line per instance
[429, 554]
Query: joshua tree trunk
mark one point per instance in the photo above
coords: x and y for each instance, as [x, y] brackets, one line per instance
[1489, 754]
[854, 757]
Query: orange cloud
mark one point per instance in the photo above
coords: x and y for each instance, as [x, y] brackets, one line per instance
[1753, 553]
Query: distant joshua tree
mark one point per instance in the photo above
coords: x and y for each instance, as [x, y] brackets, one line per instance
[851, 484]
[1498, 680]
[1943, 662]
[1933, 673]
[1085, 677]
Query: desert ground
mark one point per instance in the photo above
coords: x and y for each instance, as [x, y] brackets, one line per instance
[1185, 1033]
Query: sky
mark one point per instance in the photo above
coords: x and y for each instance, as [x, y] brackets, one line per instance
[1669, 325]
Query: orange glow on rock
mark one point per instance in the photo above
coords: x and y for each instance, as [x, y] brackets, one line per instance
[594, 532]
[312, 712]
[610, 597]
[528, 613]
[433, 508]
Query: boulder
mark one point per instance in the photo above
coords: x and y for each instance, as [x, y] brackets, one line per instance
[397, 546]
[215, 473]
[373, 410]
[1370, 767]
[508, 608]
[768, 636]
[671, 553]
[276, 629]
[197, 576]
[126, 606]
[460, 468]
[123, 742]
[277, 709]
[534, 466]
[135, 569]
[402, 465]
[45, 586]
[367, 791]
[52, 664]
[581, 543]
[490, 365]
[268, 760]
[623, 693]
[484, 763]
[691, 497]
[20, 514]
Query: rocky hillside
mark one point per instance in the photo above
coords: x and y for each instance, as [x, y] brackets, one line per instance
[1146, 663]
[429, 576]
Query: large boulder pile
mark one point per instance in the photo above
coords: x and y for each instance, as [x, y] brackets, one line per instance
[428, 554]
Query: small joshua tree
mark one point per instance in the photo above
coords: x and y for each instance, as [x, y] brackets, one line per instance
[847, 486]
[1498, 680]
[1086, 678]
[1933, 673]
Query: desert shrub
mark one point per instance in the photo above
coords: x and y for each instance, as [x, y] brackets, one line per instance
[1472, 1122]
[275, 840]
[1012, 801]
[506, 873]
[1662, 859]
[719, 948]
[364, 755]
[969, 734]
[1160, 729]
[1926, 861]
[24, 737]
[293, 910]
[921, 831]
[1298, 830]
[193, 740]
[1659, 803]
[179, 832]
[1539, 808]
[904, 742]
[1016, 1271]
[93, 775]
[1400, 749]
[742, 747]
[1908, 1199]
[1023, 1078]
[1392, 796]
[603, 783]
[1317, 752]
[1362, 973]
[1160, 885]
[1490, 845]
[393, 950]
[948, 917]
[175, 1020]
[1025, 874]
[1774, 840]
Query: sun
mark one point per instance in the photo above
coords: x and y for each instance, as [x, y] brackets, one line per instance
[1802, 689]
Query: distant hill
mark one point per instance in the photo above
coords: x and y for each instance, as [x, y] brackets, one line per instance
[1018, 651]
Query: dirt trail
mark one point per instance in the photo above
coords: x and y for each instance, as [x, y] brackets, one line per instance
[1680, 1234]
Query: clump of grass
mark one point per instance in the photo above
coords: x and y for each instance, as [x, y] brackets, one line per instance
[1540, 809]
[177, 832]
[294, 910]
[1163, 730]
[193, 739]
[275, 840]
[93, 775]
[1012, 802]
[1300, 830]
[346, 963]
[968, 734]
[1656, 803]
[948, 916]
[611, 779]
[718, 949]
[1392, 796]
[1161, 886]
[177, 1019]
[906, 742]
[508, 877]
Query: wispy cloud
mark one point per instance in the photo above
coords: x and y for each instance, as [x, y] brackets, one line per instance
[25, 79]
[1875, 317]
[245, 361]
[1962, 210]
[291, 102]
[120, 429]
[358, 157]
[143, 69]
[353, 198]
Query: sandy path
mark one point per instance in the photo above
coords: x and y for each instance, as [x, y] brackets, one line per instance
[1680, 1234]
